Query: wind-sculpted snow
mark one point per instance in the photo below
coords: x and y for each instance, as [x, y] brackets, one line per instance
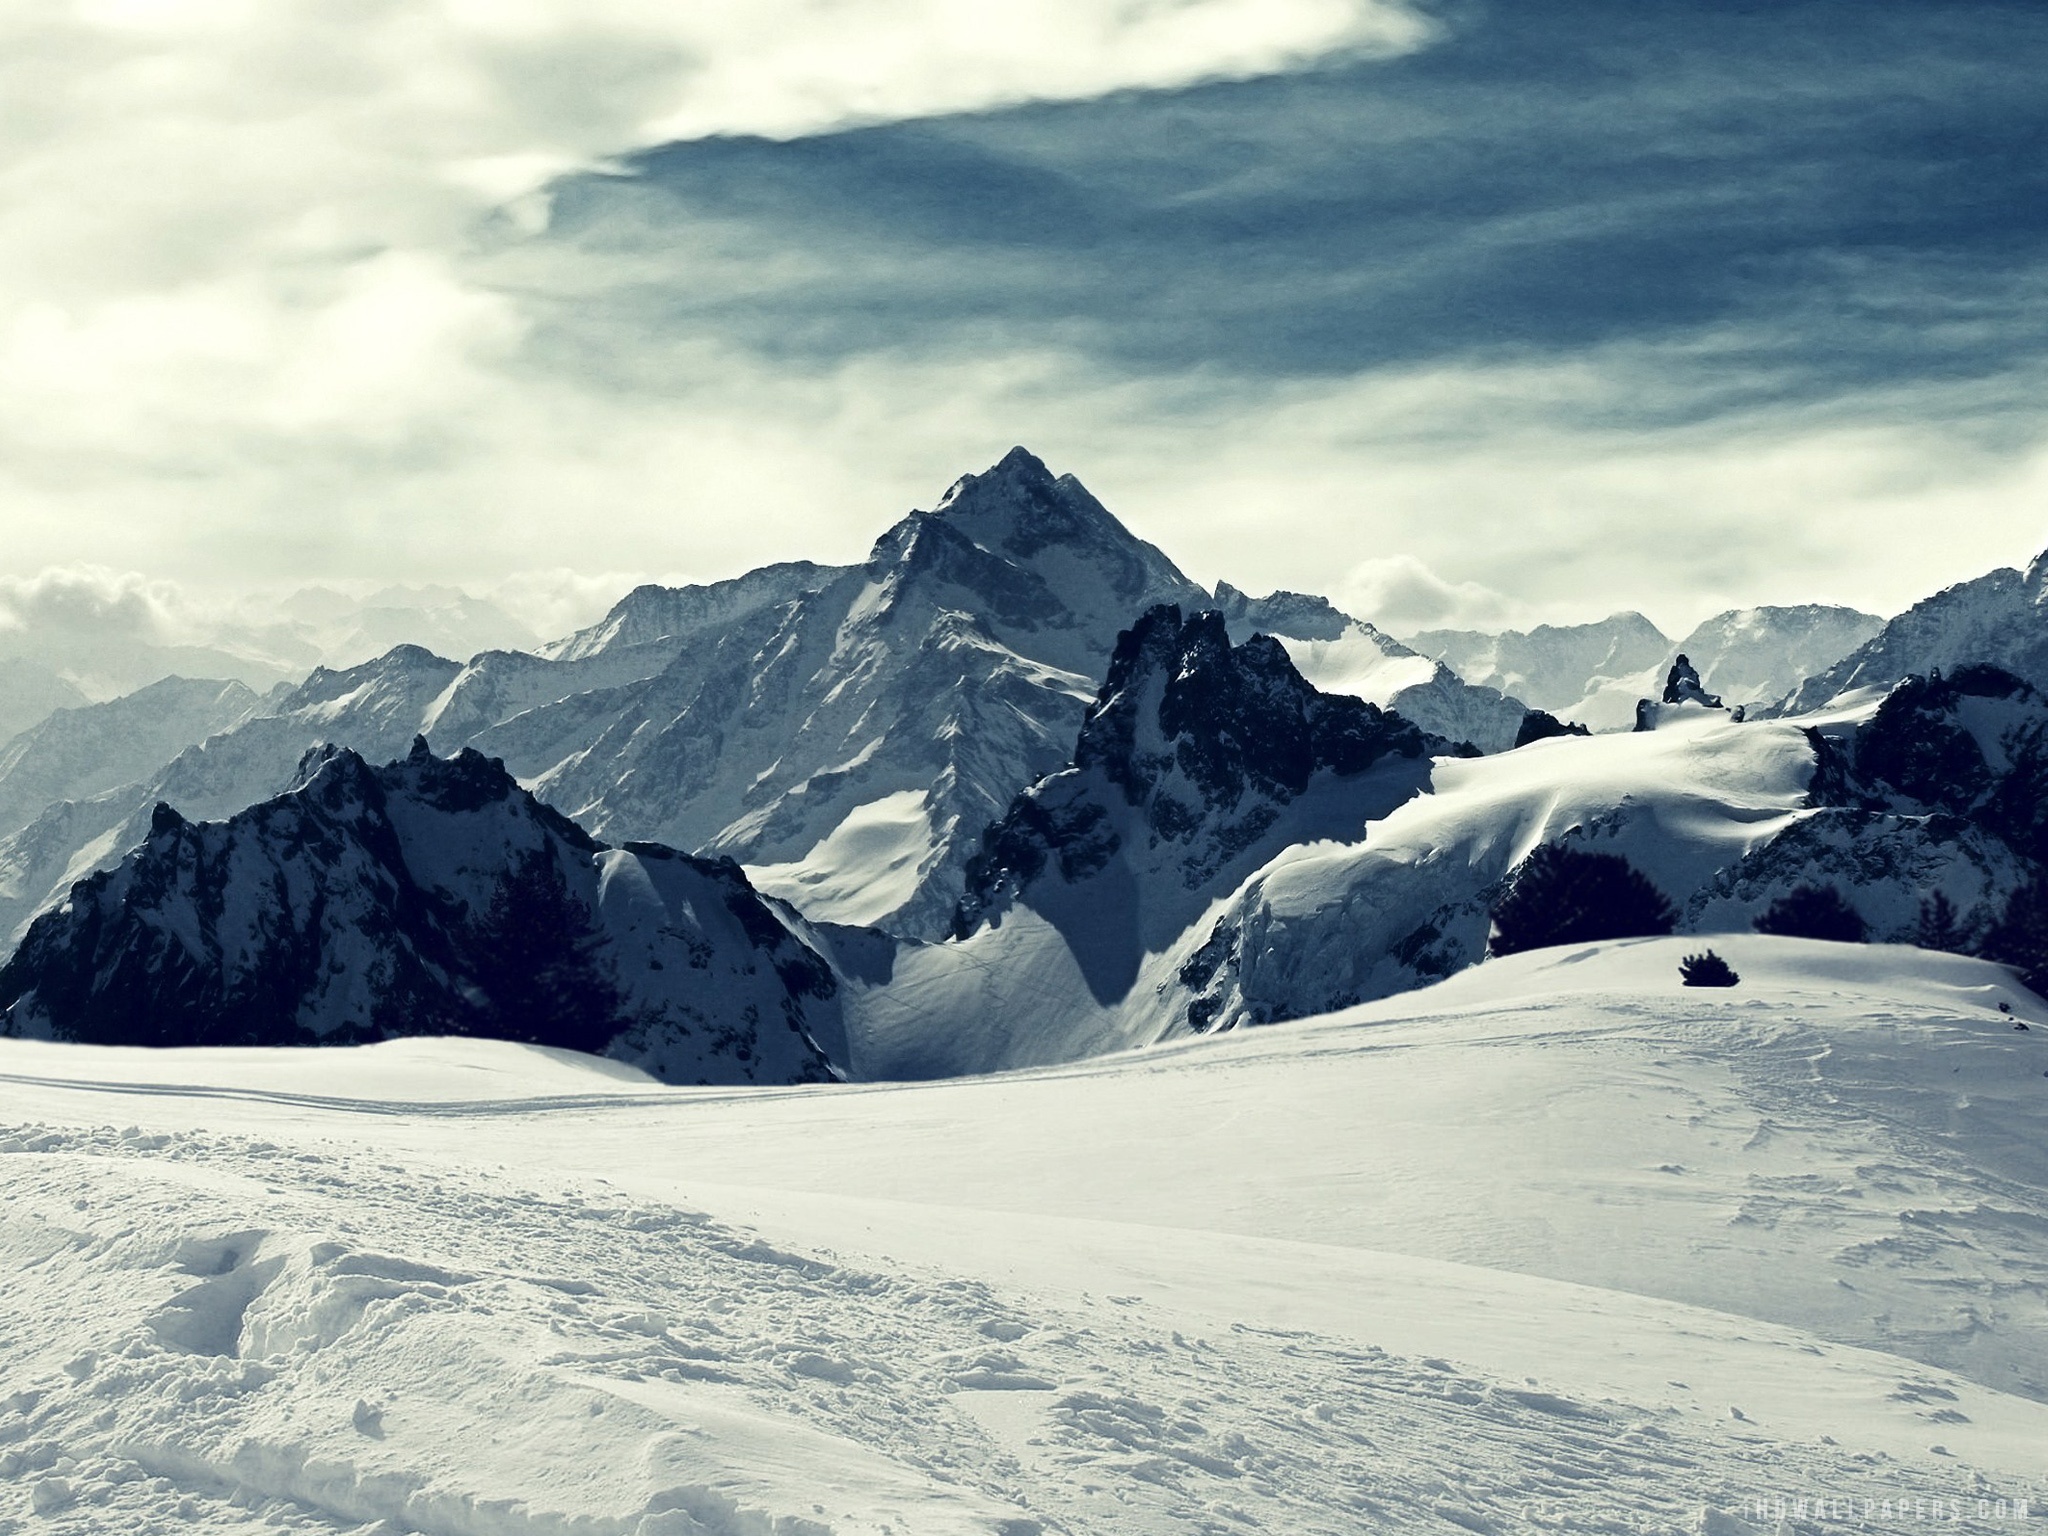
[1561, 1246]
[2001, 618]
[432, 896]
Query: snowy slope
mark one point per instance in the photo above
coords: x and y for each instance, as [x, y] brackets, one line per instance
[1556, 1247]
[2001, 618]
[432, 896]
[80, 752]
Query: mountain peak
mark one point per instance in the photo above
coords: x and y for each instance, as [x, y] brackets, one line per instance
[1189, 757]
[1017, 506]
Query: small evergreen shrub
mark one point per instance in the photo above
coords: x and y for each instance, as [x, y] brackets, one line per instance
[1814, 912]
[1707, 970]
[1563, 895]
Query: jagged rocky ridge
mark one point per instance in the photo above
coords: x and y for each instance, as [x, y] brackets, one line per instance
[1340, 654]
[428, 896]
[1196, 748]
[1198, 763]
[2000, 618]
[1943, 789]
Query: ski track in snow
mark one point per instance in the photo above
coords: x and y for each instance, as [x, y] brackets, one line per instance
[347, 1362]
[1437, 1264]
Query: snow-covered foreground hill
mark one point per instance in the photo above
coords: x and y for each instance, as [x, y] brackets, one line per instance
[1557, 1245]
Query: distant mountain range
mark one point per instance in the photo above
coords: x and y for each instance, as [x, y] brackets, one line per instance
[1009, 791]
[847, 732]
[1595, 673]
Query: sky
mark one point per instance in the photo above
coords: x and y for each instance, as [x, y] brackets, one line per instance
[1460, 312]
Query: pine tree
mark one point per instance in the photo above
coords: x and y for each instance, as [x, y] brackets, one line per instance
[1561, 895]
[1814, 912]
[1939, 926]
[2020, 936]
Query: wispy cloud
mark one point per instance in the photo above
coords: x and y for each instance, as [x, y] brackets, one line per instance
[240, 313]
[1591, 303]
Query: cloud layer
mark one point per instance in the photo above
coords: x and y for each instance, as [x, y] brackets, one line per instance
[1591, 303]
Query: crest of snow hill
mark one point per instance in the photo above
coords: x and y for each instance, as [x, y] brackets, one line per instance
[1011, 790]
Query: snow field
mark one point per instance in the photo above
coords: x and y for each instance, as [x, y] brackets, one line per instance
[1558, 1245]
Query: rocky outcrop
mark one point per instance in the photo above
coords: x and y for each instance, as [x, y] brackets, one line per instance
[429, 896]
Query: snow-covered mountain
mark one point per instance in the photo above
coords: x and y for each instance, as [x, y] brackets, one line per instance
[1260, 912]
[1595, 673]
[849, 733]
[429, 897]
[79, 752]
[1944, 788]
[31, 690]
[2000, 618]
[1198, 763]
[1759, 655]
[1552, 666]
[375, 709]
[340, 630]
[1340, 654]
[846, 731]
[654, 615]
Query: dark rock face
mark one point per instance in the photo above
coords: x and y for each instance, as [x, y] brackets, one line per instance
[1194, 745]
[1542, 725]
[1943, 791]
[430, 896]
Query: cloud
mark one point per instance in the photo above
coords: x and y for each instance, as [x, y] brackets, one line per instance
[559, 601]
[1402, 595]
[238, 237]
[307, 290]
[91, 600]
